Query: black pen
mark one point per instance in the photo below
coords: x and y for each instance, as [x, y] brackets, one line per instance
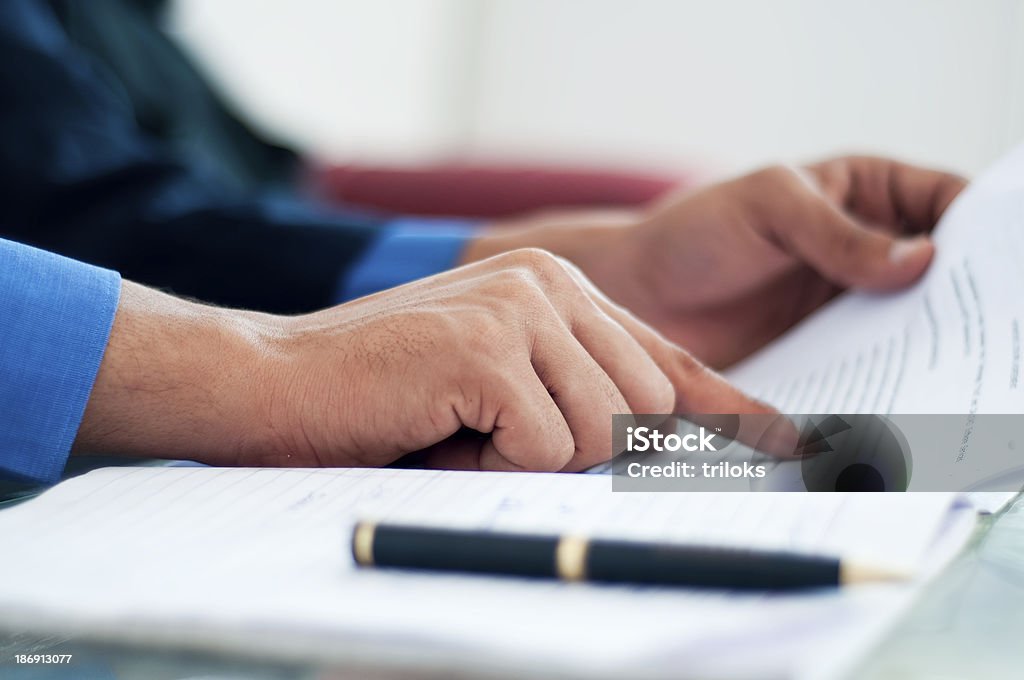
[576, 558]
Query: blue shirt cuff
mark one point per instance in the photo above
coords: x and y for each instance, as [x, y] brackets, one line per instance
[56, 317]
[406, 250]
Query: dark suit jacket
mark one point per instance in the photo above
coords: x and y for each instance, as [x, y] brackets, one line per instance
[115, 151]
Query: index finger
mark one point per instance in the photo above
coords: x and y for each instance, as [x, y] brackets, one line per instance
[898, 195]
[700, 390]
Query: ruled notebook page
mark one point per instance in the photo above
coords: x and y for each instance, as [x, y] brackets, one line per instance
[259, 559]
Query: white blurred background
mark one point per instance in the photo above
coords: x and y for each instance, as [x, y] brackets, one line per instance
[721, 85]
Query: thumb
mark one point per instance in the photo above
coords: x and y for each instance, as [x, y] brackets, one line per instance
[849, 254]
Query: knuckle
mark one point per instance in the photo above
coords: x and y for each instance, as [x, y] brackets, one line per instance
[524, 301]
[545, 268]
[517, 282]
[537, 288]
[534, 259]
[513, 294]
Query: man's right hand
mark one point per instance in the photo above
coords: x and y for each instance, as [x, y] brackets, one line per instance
[520, 347]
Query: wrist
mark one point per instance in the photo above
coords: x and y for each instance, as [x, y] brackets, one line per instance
[178, 380]
[572, 234]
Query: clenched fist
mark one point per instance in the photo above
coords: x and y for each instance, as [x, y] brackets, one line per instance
[520, 348]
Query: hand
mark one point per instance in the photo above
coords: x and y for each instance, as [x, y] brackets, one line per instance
[724, 270]
[520, 347]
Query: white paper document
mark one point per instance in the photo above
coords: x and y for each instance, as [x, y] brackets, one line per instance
[950, 344]
[257, 561]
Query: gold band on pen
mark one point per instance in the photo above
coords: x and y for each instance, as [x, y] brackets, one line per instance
[362, 543]
[571, 558]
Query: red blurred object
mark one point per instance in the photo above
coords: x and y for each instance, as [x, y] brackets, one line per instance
[486, 191]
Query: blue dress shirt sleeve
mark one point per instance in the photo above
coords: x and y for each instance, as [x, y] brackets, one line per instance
[407, 249]
[55, 319]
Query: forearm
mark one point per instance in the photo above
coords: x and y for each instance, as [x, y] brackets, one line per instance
[557, 231]
[178, 379]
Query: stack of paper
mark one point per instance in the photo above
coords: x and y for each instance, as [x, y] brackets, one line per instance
[257, 560]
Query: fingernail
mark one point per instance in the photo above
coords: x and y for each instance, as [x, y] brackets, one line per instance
[903, 250]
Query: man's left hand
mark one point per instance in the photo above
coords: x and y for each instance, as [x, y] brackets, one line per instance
[725, 269]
